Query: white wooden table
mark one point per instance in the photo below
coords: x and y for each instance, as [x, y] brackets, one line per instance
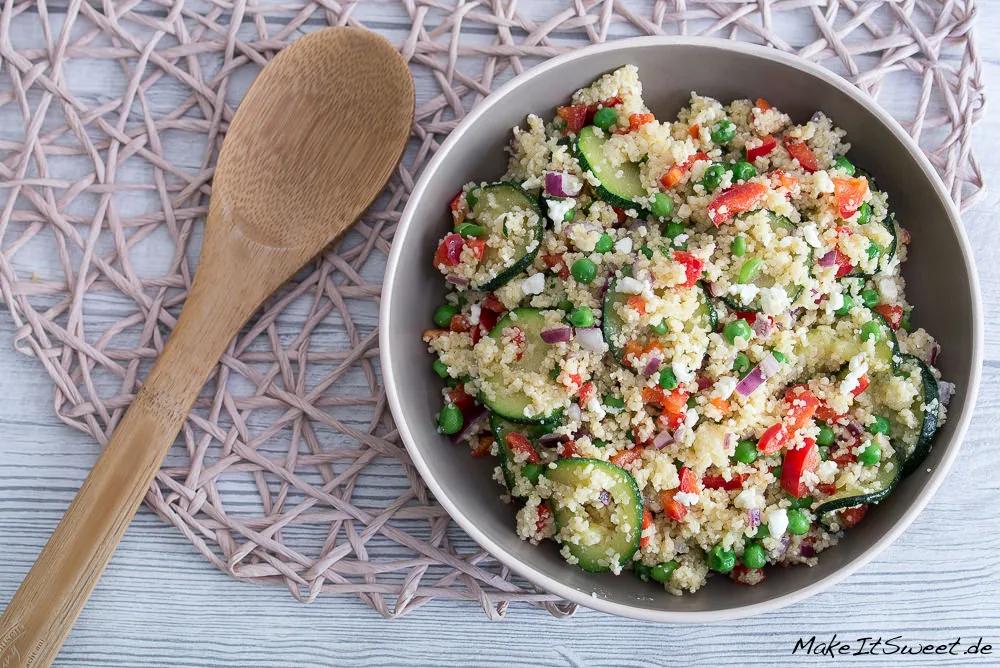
[161, 604]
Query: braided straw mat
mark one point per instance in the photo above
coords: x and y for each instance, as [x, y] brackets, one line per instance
[289, 470]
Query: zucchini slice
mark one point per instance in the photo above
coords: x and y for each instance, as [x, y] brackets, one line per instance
[913, 443]
[612, 326]
[493, 203]
[602, 534]
[620, 184]
[761, 279]
[511, 404]
[501, 428]
[834, 346]
[870, 492]
[886, 254]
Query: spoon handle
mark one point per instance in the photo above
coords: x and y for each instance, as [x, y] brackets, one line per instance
[42, 612]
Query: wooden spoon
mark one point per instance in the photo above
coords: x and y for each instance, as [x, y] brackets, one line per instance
[310, 147]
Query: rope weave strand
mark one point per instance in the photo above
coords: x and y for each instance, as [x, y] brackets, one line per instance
[289, 470]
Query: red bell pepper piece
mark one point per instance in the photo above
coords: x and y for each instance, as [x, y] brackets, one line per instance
[772, 439]
[689, 480]
[892, 313]
[801, 152]
[849, 193]
[844, 266]
[735, 200]
[519, 443]
[586, 392]
[568, 449]
[647, 520]
[715, 481]
[575, 116]
[692, 267]
[636, 121]
[797, 462]
[765, 148]
[850, 517]
[673, 508]
[555, 262]
[802, 405]
[544, 517]
[626, 457]
[862, 385]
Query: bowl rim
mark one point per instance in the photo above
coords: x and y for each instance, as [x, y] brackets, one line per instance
[553, 586]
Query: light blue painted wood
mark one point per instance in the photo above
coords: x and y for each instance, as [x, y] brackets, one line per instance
[161, 604]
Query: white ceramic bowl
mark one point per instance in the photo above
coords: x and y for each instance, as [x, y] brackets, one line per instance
[941, 283]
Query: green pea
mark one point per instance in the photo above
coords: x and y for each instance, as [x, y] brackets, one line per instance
[778, 355]
[471, 230]
[581, 317]
[532, 472]
[754, 556]
[565, 305]
[864, 213]
[440, 368]
[741, 365]
[746, 452]
[641, 571]
[804, 502]
[825, 437]
[737, 329]
[743, 171]
[674, 229]
[584, 270]
[450, 419]
[444, 313]
[873, 250]
[721, 560]
[659, 328]
[844, 165]
[871, 455]
[846, 307]
[738, 245]
[749, 270]
[647, 251]
[870, 297]
[798, 522]
[879, 426]
[723, 131]
[871, 330]
[668, 381]
[712, 177]
[605, 118]
[604, 244]
[662, 205]
[662, 572]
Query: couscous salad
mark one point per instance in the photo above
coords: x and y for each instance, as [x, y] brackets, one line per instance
[685, 340]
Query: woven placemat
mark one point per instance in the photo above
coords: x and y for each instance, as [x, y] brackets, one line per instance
[289, 469]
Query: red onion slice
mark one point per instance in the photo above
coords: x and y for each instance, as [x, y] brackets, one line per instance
[945, 390]
[663, 439]
[652, 366]
[456, 280]
[549, 439]
[762, 325]
[828, 260]
[935, 351]
[766, 368]
[475, 422]
[561, 184]
[560, 334]
[753, 518]
[591, 339]
[604, 498]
